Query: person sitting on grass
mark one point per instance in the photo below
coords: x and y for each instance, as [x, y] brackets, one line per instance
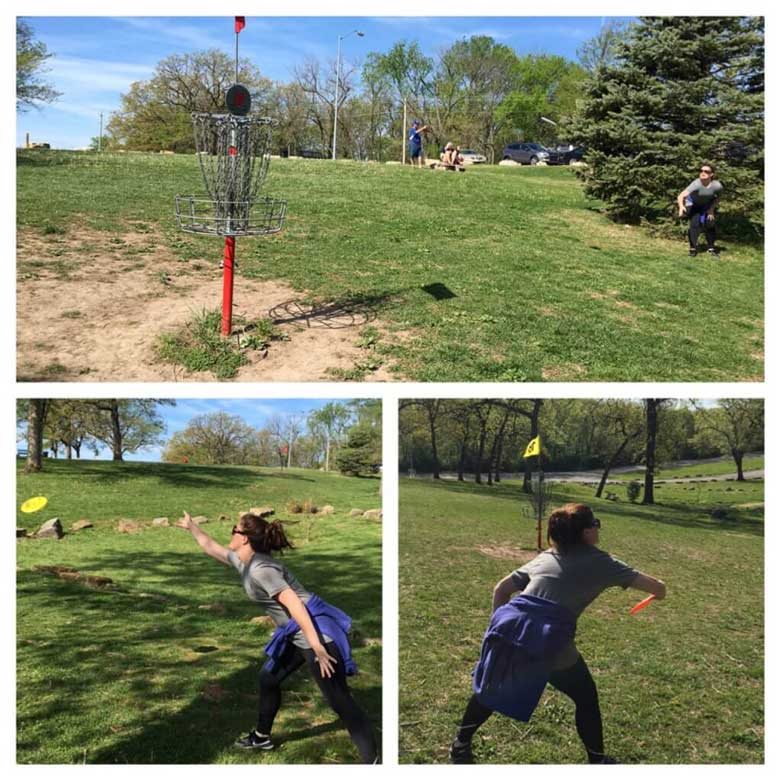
[451, 157]
[416, 143]
[698, 202]
[309, 630]
[530, 640]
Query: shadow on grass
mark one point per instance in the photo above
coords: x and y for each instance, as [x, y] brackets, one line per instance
[115, 653]
[181, 475]
[685, 515]
[347, 312]
[688, 516]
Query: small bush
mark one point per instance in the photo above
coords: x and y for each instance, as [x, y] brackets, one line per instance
[633, 489]
[294, 507]
[309, 507]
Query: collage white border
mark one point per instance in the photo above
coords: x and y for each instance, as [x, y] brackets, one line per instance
[390, 394]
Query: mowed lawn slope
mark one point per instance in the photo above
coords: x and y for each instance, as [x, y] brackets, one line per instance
[163, 668]
[680, 682]
[498, 274]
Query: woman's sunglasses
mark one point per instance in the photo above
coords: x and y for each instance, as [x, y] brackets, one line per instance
[237, 530]
[596, 523]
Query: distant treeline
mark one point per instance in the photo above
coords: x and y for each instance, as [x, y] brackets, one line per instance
[488, 437]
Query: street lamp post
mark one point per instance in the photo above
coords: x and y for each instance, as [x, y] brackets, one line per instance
[338, 78]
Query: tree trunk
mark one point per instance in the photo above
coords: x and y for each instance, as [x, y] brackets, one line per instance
[534, 433]
[327, 451]
[36, 417]
[480, 455]
[651, 423]
[434, 449]
[462, 461]
[499, 456]
[609, 466]
[116, 432]
[738, 455]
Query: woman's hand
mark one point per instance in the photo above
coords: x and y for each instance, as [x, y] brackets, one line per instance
[681, 211]
[185, 522]
[326, 662]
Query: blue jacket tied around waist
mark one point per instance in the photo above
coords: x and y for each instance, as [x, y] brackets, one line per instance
[518, 651]
[328, 620]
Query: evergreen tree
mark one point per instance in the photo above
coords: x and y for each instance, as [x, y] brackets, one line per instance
[683, 90]
[360, 455]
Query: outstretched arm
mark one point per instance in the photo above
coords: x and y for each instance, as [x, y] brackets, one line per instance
[291, 601]
[503, 592]
[207, 544]
[648, 584]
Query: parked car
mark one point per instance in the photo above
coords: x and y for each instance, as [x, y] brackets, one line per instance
[565, 154]
[470, 156]
[312, 153]
[526, 153]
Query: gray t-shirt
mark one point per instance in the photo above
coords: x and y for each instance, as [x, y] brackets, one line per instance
[263, 578]
[701, 195]
[573, 580]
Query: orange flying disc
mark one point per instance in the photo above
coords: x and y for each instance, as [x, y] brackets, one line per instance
[641, 605]
[34, 504]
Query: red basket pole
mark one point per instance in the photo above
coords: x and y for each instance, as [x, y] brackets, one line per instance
[227, 285]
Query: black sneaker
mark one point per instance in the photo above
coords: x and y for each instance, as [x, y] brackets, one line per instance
[460, 753]
[714, 251]
[255, 741]
[692, 252]
[606, 760]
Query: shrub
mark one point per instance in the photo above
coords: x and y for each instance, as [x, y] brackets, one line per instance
[633, 489]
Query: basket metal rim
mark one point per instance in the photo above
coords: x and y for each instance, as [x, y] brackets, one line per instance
[248, 119]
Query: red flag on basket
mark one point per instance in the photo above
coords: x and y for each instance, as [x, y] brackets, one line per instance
[240, 23]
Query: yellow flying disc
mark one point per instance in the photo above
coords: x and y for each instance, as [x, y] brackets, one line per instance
[34, 504]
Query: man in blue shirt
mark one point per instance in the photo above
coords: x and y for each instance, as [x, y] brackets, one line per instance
[415, 143]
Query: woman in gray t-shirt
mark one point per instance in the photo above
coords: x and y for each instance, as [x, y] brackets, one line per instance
[572, 573]
[277, 591]
[698, 202]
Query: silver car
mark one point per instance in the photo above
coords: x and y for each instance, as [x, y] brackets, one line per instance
[472, 157]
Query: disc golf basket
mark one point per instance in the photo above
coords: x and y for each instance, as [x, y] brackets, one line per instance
[539, 499]
[233, 153]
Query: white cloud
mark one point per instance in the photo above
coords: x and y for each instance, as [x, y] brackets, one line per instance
[75, 74]
[177, 32]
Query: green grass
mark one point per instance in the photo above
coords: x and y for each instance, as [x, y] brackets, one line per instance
[699, 470]
[145, 674]
[682, 682]
[500, 274]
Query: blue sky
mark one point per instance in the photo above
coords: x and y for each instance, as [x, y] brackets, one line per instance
[95, 59]
[254, 412]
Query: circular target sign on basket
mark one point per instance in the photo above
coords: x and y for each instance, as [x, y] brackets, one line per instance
[238, 100]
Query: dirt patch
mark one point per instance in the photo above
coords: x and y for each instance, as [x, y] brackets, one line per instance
[500, 552]
[564, 372]
[750, 505]
[91, 307]
[73, 575]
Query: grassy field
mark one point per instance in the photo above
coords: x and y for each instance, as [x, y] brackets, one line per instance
[499, 274]
[163, 668]
[699, 470]
[681, 682]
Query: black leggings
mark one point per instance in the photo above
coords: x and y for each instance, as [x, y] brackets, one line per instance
[576, 682]
[334, 689]
[695, 227]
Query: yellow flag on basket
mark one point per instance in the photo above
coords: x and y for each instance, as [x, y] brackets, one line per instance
[533, 448]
